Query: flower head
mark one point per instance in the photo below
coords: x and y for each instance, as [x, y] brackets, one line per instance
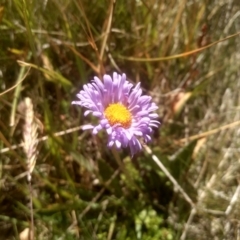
[122, 110]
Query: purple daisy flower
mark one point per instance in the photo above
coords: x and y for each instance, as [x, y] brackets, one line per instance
[123, 112]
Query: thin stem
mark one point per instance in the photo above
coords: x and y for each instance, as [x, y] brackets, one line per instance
[170, 177]
[123, 169]
[31, 232]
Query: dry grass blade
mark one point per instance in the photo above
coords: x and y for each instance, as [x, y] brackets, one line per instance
[211, 132]
[108, 30]
[44, 138]
[185, 54]
[170, 177]
[18, 82]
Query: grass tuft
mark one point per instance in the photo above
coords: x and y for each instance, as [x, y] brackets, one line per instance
[186, 56]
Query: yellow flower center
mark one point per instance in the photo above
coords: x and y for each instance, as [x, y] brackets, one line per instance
[117, 113]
